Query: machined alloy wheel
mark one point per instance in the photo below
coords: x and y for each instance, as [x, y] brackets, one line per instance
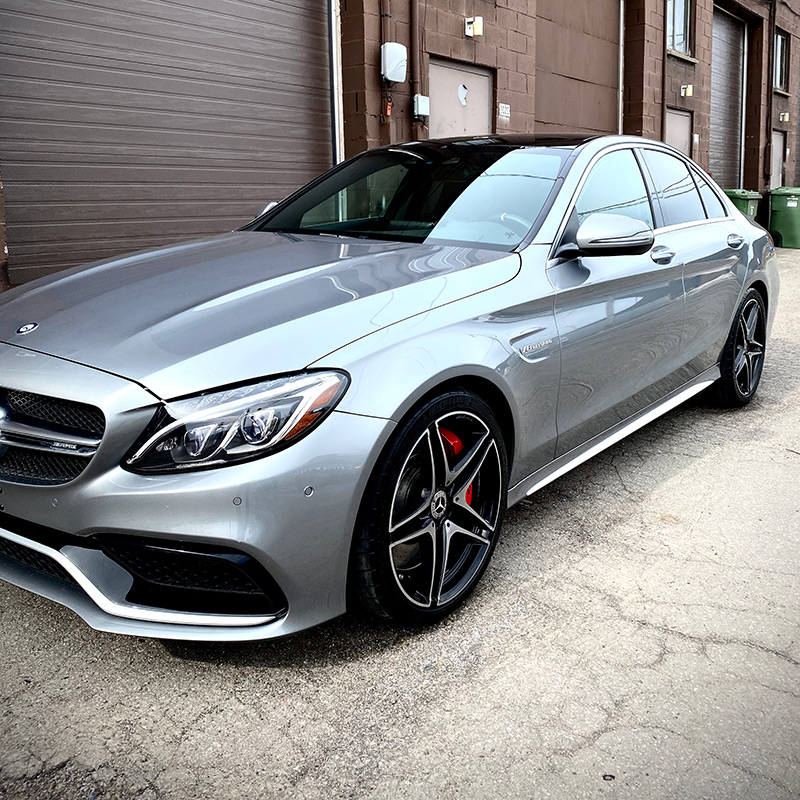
[432, 514]
[743, 357]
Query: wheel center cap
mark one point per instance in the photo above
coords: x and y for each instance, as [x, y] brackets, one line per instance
[439, 505]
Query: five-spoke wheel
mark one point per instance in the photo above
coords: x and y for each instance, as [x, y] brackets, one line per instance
[431, 516]
[743, 356]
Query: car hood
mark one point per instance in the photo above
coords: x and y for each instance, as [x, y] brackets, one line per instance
[243, 305]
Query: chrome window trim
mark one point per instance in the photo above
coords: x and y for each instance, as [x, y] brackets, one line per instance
[130, 611]
[693, 224]
[633, 147]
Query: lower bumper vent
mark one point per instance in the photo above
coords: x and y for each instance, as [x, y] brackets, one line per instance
[34, 560]
[183, 578]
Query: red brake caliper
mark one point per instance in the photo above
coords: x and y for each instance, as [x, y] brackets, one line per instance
[453, 445]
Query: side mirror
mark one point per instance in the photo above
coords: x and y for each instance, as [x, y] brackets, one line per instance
[613, 235]
[268, 207]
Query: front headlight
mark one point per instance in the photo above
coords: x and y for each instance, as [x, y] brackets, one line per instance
[235, 424]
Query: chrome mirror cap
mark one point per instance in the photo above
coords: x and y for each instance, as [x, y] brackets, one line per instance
[614, 234]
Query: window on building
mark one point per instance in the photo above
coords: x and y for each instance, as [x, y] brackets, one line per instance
[679, 25]
[781, 77]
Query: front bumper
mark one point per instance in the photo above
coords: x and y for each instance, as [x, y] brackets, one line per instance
[261, 508]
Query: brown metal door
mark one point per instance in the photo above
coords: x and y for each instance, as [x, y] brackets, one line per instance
[461, 100]
[127, 125]
[727, 101]
[679, 130]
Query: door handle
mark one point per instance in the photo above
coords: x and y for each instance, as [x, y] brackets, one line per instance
[735, 240]
[662, 255]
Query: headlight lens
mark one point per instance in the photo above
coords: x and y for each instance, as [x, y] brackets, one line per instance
[236, 424]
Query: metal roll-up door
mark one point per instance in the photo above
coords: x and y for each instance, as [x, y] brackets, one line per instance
[128, 125]
[727, 99]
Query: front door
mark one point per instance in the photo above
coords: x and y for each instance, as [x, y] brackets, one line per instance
[695, 225]
[619, 318]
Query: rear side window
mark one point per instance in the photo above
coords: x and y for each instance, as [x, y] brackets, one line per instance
[615, 186]
[680, 201]
[713, 204]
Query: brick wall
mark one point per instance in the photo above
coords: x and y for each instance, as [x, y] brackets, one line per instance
[644, 58]
[648, 78]
[507, 48]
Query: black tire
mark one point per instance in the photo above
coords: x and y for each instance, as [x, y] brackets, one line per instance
[743, 355]
[426, 498]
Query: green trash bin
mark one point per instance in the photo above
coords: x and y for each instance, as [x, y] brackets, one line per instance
[745, 200]
[784, 216]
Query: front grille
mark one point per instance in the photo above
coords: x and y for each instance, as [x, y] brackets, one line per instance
[19, 465]
[33, 560]
[74, 417]
[52, 416]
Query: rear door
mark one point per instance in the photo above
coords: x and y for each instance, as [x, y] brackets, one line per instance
[694, 223]
[619, 318]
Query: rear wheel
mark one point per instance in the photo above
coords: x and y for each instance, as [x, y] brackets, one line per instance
[431, 515]
[743, 356]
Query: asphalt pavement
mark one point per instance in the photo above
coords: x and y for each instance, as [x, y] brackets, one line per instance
[637, 635]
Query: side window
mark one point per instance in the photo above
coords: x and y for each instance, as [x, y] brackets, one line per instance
[615, 186]
[680, 201]
[713, 204]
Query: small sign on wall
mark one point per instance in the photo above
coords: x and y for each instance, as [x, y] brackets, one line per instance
[505, 110]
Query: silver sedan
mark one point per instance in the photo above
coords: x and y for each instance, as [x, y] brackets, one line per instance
[236, 437]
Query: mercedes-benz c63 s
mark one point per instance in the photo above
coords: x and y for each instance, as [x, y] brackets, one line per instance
[228, 438]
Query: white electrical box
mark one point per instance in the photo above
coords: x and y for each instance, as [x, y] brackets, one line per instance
[394, 61]
[422, 105]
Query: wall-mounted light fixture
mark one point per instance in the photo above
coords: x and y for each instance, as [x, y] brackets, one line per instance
[784, 116]
[687, 90]
[473, 26]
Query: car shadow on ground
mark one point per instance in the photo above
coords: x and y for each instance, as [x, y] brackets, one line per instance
[349, 638]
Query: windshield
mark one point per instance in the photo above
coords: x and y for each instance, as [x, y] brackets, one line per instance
[481, 195]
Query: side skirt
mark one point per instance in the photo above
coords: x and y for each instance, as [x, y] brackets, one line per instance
[563, 464]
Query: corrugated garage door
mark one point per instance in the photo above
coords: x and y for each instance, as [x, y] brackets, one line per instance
[727, 71]
[125, 125]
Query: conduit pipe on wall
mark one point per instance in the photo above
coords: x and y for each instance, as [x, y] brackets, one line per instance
[415, 67]
[664, 82]
[621, 98]
[335, 80]
[773, 24]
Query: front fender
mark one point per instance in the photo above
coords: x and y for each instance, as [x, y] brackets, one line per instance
[476, 338]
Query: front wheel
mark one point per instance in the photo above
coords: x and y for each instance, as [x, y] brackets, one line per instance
[743, 357]
[431, 515]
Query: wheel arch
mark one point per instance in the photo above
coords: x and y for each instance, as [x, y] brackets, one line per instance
[486, 390]
[761, 288]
